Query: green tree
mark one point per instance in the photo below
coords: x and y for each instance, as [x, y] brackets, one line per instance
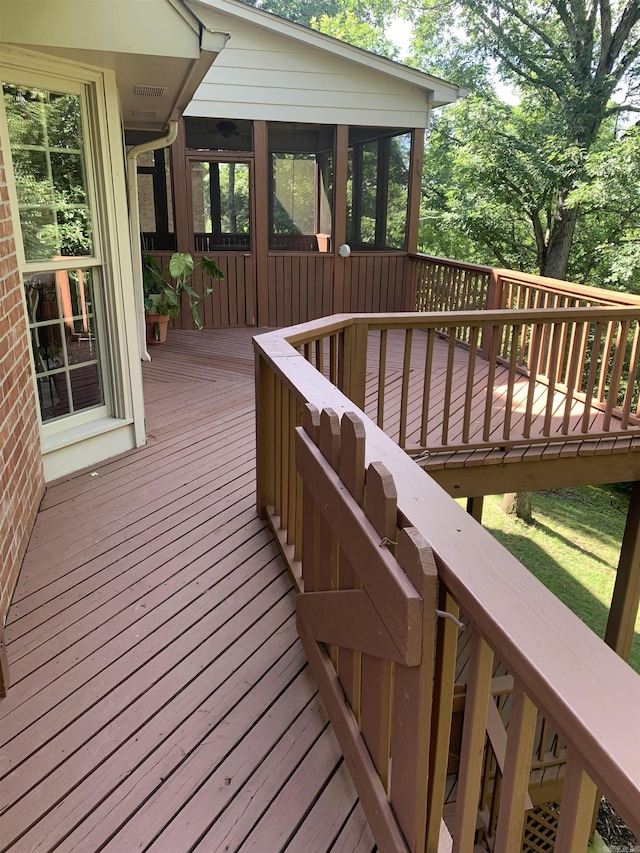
[568, 60]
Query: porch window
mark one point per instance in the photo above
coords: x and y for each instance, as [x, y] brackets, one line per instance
[301, 198]
[63, 277]
[220, 205]
[155, 201]
[378, 188]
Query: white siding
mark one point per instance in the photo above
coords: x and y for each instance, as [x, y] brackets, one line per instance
[262, 75]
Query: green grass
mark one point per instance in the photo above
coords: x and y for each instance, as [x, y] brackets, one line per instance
[572, 547]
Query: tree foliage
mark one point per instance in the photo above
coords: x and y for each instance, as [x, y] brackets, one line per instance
[575, 66]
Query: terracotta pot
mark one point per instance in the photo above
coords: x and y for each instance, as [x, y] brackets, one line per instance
[157, 334]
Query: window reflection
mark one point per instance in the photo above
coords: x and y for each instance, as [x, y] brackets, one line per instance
[61, 314]
[45, 131]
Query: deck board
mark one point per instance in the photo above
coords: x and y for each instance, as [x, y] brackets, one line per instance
[160, 697]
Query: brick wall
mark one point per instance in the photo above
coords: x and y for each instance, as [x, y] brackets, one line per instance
[21, 474]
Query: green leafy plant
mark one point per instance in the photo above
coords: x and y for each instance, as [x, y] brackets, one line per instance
[162, 293]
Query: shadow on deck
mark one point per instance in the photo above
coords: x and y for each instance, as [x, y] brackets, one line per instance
[160, 698]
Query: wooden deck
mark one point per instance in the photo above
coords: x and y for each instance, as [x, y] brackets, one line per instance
[160, 698]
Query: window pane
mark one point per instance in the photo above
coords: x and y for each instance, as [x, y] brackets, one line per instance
[398, 195]
[220, 206]
[61, 315]
[294, 193]
[378, 188]
[301, 198]
[46, 139]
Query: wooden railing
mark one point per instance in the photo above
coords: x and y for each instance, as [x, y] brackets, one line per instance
[564, 677]
[490, 379]
[446, 285]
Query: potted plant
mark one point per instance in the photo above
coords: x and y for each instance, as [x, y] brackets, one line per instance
[162, 293]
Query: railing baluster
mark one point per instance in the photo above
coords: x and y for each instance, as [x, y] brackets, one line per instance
[474, 335]
[606, 354]
[491, 375]
[616, 372]
[537, 331]
[426, 386]
[631, 379]
[404, 396]
[448, 387]
[444, 678]
[576, 348]
[333, 360]
[278, 447]
[473, 740]
[513, 363]
[515, 780]
[576, 815]
[552, 373]
[310, 518]
[593, 373]
[382, 375]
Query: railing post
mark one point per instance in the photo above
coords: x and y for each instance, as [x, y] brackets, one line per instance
[352, 362]
[265, 436]
[495, 299]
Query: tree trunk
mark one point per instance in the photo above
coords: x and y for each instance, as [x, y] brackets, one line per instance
[518, 504]
[556, 258]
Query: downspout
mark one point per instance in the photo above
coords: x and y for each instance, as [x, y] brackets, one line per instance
[134, 220]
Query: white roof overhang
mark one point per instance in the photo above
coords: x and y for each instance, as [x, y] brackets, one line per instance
[158, 49]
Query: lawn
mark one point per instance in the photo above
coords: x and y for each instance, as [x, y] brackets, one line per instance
[572, 547]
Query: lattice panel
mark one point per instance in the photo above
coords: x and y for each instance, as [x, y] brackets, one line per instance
[540, 829]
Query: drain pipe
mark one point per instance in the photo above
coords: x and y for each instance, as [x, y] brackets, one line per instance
[134, 220]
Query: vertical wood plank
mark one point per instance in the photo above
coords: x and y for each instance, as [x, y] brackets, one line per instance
[351, 472]
[261, 222]
[513, 363]
[180, 181]
[616, 372]
[310, 516]
[474, 333]
[626, 591]
[340, 169]
[375, 715]
[415, 189]
[329, 444]
[265, 431]
[382, 375]
[578, 802]
[443, 688]
[631, 379]
[412, 698]
[404, 395]
[473, 741]
[494, 343]
[515, 780]
[426, 388]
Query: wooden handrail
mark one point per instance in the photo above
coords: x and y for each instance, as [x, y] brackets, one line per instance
[558, 664]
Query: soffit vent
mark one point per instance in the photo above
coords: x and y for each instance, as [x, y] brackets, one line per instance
[146, 114]
[149, 91]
